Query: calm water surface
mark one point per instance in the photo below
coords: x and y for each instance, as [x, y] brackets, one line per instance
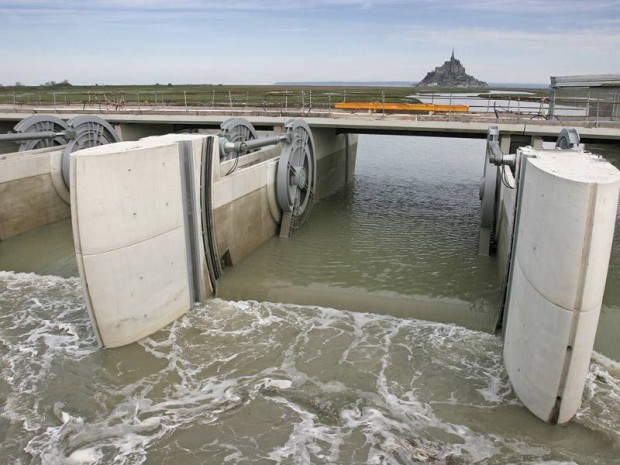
[241, 380]
[402, 239]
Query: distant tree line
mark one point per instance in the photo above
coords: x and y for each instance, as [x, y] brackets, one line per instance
[55, 84]
[50, 84]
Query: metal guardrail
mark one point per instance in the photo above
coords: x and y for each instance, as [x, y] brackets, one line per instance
[522, 106]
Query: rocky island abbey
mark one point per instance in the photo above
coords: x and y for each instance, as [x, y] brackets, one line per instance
[450, 74]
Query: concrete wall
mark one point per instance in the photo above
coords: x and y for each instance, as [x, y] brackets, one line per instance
[335, 159]
[566, 211]
[30, 196]
[244, 204]
[134, 131]
[243, 225]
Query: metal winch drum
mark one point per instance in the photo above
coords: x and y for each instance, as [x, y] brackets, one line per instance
[296, 175]
[41, 124]
[43, 131]
[236, 130]
[296, 170]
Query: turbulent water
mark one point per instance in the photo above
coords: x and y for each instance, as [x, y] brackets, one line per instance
[264, 383]
[249, 382]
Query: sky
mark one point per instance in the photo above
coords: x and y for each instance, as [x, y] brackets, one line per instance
[265, 41]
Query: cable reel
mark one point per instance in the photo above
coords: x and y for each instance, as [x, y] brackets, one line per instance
[296, 176]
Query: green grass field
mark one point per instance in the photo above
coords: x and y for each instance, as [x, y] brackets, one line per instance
[213, 95]
[204, 95]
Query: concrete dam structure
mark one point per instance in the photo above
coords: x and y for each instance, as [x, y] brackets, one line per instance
[155, 220]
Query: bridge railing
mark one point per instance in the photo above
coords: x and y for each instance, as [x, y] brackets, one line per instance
[304, 100]
[320, 101]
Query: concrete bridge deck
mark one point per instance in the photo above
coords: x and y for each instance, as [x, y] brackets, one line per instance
[472, 126]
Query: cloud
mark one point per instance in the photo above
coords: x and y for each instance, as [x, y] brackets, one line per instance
[203, 5]
[539, 6]
[440, 11]
[481, 38]
[330, 39]
[522, 6]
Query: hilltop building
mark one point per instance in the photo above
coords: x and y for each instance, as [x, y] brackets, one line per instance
[450, 74]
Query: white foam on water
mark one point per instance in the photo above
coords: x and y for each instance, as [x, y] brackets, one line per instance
[544, 462]
[258, 381]
[275, 383]
[600, 407]
[42, 322]
[88, 456]
[610, 365]
[304, 442]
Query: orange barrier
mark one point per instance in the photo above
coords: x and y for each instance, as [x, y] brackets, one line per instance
[376, 106]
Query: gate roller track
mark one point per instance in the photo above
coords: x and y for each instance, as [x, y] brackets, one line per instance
[296, 174]
[236, 130]
[41, 123]
[86, 131]
[488, 186]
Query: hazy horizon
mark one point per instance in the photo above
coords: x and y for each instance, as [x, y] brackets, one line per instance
[58, 86]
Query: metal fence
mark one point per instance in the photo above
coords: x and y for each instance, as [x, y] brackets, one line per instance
[590, 105]
[145, 101]
[597, 104]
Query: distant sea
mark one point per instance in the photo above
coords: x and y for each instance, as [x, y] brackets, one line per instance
[507, 85]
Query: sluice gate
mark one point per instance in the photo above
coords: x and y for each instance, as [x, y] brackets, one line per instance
[155, 220]
[551, 214]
